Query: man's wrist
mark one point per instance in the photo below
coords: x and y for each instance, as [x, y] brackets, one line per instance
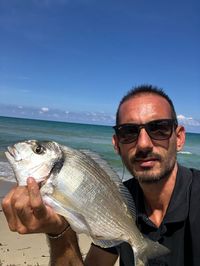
[57, 236]
[64, 250]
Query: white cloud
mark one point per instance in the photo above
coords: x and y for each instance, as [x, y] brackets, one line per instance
[189, 121]
[180, 117]
[44, 109]
[46, 113]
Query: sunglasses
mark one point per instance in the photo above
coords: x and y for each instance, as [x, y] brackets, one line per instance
[158, 130]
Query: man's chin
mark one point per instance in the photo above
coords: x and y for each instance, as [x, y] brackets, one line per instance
[149, 180]
[148, 176]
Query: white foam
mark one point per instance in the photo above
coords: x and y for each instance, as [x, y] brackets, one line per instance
[6, 172]
[185, 152]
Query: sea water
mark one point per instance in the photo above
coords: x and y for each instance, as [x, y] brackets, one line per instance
[96, 138]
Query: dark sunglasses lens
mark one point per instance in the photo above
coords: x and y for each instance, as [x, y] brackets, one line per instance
[127, 133]
[160, 130]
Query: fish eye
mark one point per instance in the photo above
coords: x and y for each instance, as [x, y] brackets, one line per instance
[39, 149]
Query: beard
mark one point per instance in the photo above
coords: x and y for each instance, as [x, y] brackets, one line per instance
[148, 175]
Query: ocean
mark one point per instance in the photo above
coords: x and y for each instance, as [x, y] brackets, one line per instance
[96, 138]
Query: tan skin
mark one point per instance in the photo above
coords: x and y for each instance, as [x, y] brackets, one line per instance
[26, 213]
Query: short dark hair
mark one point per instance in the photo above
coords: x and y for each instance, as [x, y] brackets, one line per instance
[146, 89]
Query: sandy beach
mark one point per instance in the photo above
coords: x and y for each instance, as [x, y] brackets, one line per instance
[30, 250]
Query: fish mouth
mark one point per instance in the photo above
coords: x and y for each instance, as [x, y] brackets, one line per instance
[10, 150]
[13, 154]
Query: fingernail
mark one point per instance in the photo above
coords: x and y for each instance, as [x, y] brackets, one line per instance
[29, 179]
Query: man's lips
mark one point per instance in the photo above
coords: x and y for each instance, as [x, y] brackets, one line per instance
[147, 162]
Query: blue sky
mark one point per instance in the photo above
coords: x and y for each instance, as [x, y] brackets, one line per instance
[73, 60]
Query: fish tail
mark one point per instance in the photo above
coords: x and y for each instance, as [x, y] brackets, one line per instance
[151, 250]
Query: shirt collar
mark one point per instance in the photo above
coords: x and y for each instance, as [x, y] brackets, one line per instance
[179, 204]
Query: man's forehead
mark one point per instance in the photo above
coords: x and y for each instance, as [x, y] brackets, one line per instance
[148, 105]
[149, 99]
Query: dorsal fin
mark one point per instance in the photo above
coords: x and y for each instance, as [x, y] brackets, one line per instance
[115, 177]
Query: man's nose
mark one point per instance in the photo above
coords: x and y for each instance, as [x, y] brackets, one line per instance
[144, 140]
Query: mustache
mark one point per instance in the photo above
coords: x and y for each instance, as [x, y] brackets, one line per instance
[141, 155]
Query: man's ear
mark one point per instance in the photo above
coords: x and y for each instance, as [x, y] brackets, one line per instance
[115, 143]
[180, 134]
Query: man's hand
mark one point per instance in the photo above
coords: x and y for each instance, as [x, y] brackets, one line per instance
[26, 212]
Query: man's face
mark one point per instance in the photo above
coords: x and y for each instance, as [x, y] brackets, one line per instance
[147, 159]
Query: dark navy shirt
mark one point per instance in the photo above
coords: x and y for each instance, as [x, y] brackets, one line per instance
[180, 228]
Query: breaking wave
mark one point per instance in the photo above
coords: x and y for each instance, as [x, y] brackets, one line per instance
[185, 152]
[6, 172]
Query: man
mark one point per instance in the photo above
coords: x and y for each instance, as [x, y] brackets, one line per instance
[167, 195]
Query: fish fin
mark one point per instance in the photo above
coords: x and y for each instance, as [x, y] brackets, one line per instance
[106, 243]
[127, 197]
[151, 250]
[76, 220]
[103, 164]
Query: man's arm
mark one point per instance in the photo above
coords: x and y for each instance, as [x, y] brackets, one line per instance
[65, 251]
[26, 213]
[99, 257]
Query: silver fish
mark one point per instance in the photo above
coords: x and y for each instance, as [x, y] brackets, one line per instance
[84, 189]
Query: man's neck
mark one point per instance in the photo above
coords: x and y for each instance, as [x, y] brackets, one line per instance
[157, 197]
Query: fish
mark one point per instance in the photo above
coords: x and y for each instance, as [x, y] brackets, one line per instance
[83, 188]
